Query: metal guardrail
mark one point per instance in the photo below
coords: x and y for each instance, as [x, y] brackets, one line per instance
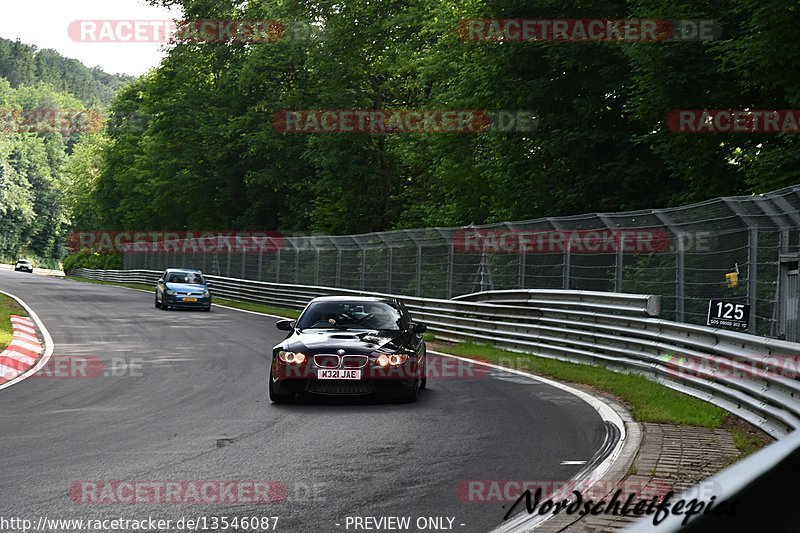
[644, 304]
[732, 370]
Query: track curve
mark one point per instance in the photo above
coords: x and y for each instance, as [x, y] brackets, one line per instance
[189, 403]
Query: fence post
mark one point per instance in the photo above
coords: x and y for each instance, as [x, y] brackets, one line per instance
[418, 291]
[260, 260]
[278, 265]
[680, 275]
[389, 270]
[338, 282]
[363, 269]
[450, 266]
[297, 265]
[567, 254]
[618, 268]
[316, 266]
[752, 278]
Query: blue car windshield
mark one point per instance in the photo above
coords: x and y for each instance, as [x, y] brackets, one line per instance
[350, 315]
[189, 278]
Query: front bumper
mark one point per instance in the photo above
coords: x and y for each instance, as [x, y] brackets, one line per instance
[288, 378]
[179, 301]
[23, 269]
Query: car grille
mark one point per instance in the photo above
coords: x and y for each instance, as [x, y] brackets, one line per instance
[326, 361]
[324, 386]
[344, 361]
[354, 361]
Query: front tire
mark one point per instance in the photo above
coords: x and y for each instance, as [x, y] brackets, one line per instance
[158, 304]
[275, 396]
[412, 395]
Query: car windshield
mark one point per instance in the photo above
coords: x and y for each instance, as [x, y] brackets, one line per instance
[364, 315]
[24, 262]
[189, 278]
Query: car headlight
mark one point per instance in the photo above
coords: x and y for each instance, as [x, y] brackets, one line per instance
[296, 358]
[170, 292]
[206, 294]
[394, 359]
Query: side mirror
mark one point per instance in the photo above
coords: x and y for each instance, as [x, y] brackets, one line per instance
[209, 284]
[285, 325]
[419, 328]
[161, 280]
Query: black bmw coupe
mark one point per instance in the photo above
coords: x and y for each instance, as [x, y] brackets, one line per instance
[348, 346]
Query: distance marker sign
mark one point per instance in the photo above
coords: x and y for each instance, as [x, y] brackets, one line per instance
[731, 315]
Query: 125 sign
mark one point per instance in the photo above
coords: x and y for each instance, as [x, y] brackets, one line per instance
[728, 314]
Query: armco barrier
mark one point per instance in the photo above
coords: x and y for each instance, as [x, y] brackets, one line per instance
[732, 370]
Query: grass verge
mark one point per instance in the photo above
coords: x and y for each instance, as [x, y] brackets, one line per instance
[647, 400]
[247, 306]
[8, 307]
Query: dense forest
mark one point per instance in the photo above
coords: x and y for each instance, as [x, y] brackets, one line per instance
[24, 65]
[40, 91]
[192, 144]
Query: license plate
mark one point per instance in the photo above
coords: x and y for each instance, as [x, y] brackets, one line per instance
[190, 299]
[339, 374]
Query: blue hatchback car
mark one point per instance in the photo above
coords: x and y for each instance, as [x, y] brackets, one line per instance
[183, 288]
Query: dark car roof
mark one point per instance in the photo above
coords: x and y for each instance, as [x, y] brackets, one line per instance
[354, 298]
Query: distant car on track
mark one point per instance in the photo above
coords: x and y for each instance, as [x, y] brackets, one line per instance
[23, 265]
[183, 288]
[349, 346]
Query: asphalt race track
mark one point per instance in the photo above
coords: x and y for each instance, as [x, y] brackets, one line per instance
[182, 395]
